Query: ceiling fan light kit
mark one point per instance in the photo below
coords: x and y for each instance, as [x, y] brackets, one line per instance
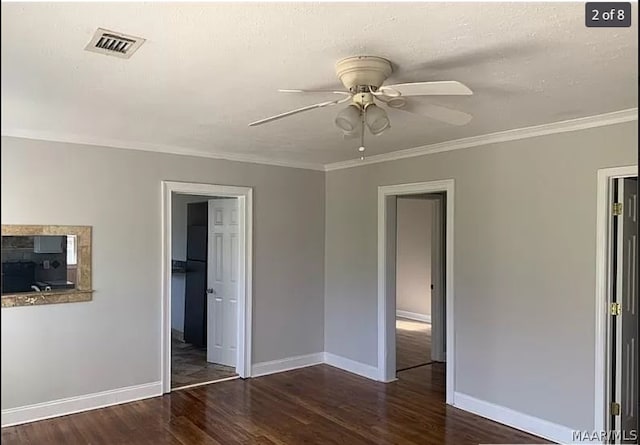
[363, 78]
[349, 118]
[376, 118]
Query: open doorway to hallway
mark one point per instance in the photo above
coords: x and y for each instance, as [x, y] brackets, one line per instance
[442, 294]
[420, 308]
[204, 288]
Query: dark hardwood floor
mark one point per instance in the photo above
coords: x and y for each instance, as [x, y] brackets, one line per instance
[413, 343]
[315, 405]
[189, 366]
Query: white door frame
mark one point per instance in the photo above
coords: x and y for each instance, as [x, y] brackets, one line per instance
[245, 207]
[604, 245]
[386, 274]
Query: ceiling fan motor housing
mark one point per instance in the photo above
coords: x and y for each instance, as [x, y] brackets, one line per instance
[363, 99]
[363, 71]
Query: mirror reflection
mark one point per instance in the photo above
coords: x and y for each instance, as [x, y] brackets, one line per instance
[43, 263]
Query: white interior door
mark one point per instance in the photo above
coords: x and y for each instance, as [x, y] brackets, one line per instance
[438, 318]
[222, 282]
[627, 295]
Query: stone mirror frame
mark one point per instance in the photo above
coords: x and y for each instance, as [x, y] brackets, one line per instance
[81, 291]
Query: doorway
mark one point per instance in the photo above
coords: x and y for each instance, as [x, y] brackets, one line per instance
[419, 260]
[442, 330]
[206, 284]
[617, 369]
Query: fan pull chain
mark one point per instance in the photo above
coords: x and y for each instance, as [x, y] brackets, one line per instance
[361, 149]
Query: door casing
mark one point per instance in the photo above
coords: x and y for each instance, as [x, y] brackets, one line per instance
[387, 194]
[245, 275]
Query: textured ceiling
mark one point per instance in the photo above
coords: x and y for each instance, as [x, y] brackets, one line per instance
[208, 69]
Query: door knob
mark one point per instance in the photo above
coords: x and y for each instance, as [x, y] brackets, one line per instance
[211, 291]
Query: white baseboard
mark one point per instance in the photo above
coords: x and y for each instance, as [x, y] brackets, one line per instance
[524, 422]
[414, 316]
[62, 407]
[346, 364]
[286, 364]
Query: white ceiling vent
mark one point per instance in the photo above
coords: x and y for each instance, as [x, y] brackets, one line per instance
[114, 43]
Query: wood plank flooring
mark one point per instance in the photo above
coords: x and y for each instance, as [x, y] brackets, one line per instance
[189, 366]
[413, 343]
[315, 405]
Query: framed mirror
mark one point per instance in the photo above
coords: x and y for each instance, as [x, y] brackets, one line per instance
[45, 264]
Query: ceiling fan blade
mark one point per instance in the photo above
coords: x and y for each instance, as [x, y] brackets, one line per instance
[443, 88]
[437, 112]
[299, 110]
[346, 93]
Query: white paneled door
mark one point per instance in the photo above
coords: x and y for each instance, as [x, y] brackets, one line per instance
[222, 281]
[628, 299]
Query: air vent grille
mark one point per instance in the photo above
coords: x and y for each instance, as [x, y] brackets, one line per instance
[114, 43]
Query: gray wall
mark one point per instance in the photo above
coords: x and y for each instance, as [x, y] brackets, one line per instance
[64, 350]
[524, 264]
[525, 230]
[179, 252]
[413, 255]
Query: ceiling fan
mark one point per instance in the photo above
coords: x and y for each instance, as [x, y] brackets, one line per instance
[363, 78]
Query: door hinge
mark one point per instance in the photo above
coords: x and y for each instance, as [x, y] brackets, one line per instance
[615, 409]
[617, 209]
[615, 308]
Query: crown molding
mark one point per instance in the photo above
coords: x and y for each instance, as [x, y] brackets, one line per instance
[582, 123]
[156, 148]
